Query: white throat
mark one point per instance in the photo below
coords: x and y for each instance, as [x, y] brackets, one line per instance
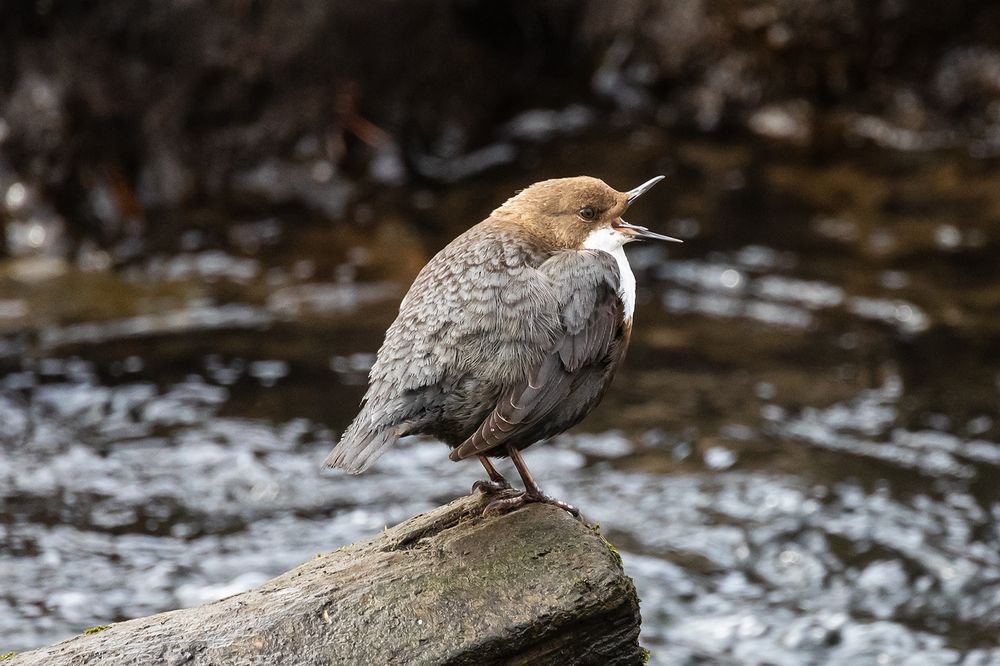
[613, 242]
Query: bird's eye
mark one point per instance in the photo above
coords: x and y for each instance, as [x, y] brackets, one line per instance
[587, 213]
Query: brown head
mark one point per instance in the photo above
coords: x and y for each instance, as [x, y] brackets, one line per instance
[575, 213]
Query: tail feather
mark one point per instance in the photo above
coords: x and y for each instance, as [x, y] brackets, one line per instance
[361, 445]
[378, 425]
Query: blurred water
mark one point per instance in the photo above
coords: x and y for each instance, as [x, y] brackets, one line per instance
[799, 463]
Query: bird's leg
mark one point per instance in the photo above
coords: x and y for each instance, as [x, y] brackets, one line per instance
[496, 482]
[531, 491]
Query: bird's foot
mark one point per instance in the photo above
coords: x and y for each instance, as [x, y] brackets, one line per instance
[565, 506]
[505, 504]
[490, 487]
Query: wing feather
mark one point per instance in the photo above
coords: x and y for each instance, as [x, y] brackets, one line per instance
[466, 312]
[590, 313]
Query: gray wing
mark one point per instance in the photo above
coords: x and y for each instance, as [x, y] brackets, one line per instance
[552, 397]
[467, 309]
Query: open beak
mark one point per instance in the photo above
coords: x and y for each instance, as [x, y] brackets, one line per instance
[634, 194]
[634, 230]
[641, 233]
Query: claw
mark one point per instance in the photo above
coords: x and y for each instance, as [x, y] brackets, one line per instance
[490, 487]
[565, 506]
[505, 504]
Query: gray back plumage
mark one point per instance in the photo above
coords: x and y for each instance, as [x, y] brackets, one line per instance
[479, 312]
[573, 375]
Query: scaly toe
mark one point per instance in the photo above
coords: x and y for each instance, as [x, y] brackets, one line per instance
[545, 499]
[488, 487]
[505, 504]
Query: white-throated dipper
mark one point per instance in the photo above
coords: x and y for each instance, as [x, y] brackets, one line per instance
[509, 335]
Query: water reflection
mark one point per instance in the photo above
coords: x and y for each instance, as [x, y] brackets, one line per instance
[799, 463]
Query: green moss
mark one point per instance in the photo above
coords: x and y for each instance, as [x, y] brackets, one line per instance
[96, 630]
[7, 655]
[646, 654]
[596, 529]
[614, 551]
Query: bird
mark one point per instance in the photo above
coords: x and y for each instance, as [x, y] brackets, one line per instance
[509, 335]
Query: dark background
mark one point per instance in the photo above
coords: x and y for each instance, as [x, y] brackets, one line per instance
[166, 104]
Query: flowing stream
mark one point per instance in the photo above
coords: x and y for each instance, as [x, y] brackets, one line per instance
[800, 460]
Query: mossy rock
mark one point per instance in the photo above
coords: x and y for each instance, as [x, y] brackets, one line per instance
[447, 587]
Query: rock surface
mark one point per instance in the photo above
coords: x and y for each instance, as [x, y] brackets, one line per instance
[445, 587]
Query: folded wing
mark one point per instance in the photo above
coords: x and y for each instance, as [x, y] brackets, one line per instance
[564, 386]
[469, 309]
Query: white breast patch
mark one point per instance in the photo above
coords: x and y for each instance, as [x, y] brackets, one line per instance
[613, 242]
